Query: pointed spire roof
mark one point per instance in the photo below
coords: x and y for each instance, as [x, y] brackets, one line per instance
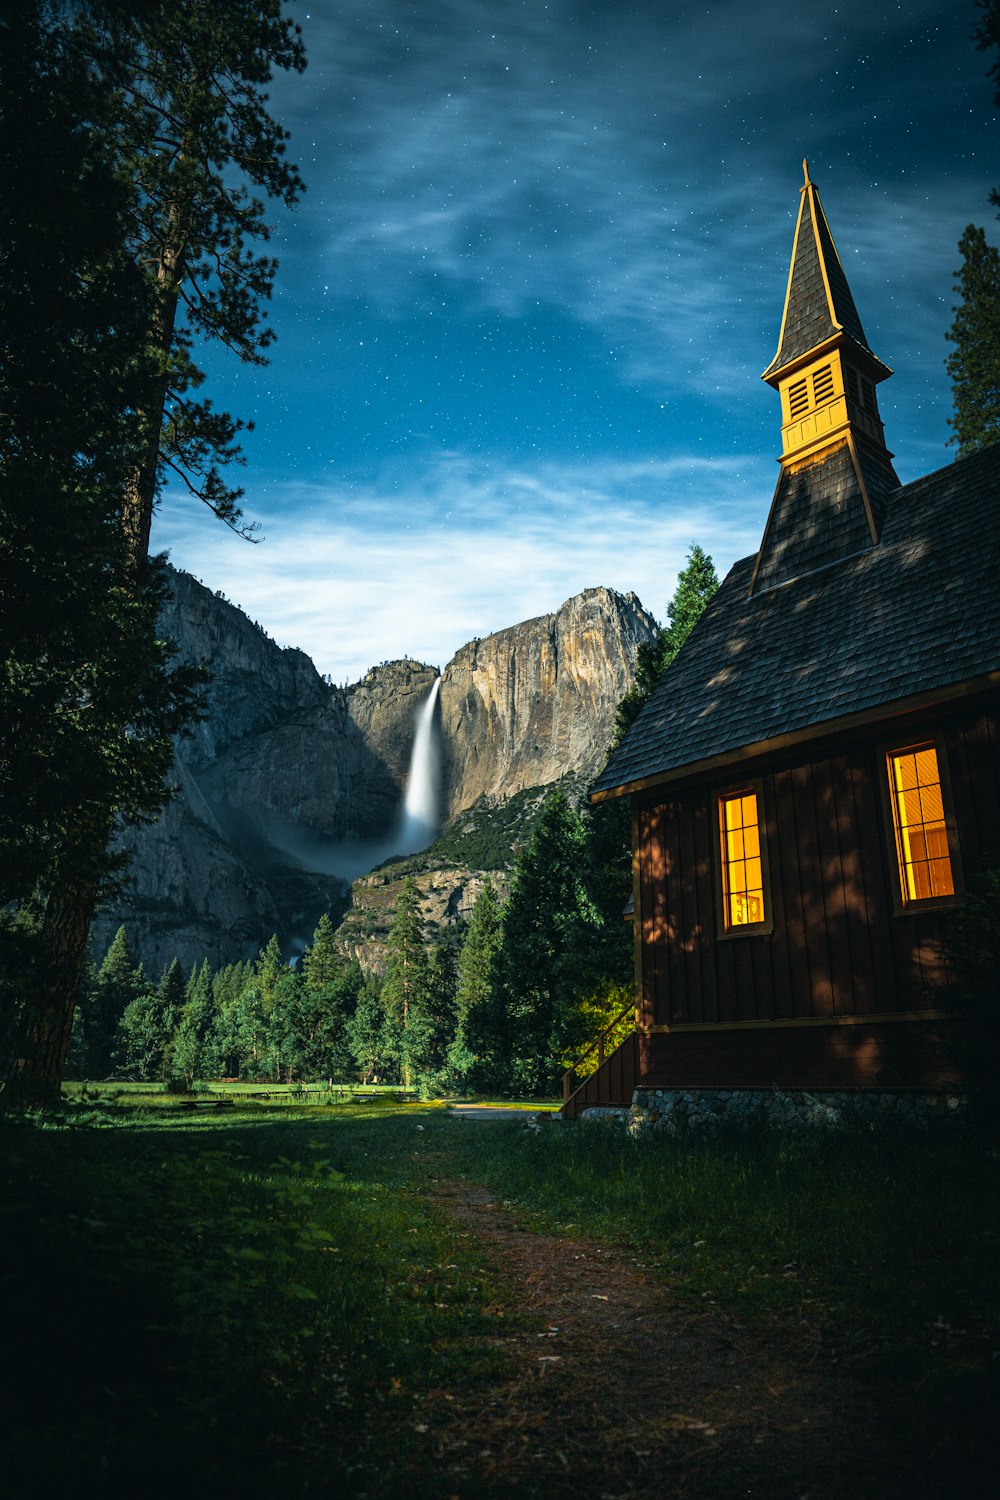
[818, 301]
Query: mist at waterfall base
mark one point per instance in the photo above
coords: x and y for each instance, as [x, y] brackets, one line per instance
[417, 825]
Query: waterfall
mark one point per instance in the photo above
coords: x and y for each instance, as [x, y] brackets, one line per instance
[423, 784]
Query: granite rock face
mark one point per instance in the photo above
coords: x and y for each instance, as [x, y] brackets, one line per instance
[290, 788]
[532, 703]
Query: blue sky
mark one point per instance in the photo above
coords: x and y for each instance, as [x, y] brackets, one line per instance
[523, 307]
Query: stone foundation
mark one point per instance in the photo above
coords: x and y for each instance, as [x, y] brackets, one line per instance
[677, 1111]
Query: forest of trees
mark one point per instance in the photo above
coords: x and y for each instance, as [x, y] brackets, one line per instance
[139, 165]
[137, 162]
[502, 1002]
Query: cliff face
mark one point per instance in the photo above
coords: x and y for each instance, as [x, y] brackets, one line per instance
[290, 788]
[532, 703]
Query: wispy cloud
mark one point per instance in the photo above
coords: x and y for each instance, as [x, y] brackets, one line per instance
[625, 171]
[636, 168]
[358, 575]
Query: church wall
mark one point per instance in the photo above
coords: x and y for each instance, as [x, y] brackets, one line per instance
[837, 953]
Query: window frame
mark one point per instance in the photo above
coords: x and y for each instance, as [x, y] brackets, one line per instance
[903, 904]
[725, 930]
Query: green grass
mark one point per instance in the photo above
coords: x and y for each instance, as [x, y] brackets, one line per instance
[228, 1303]
[916, 1218]
[883, 1250]
[264, 1295]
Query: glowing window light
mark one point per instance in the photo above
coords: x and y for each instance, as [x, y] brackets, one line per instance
[742, 867]
[921, 834]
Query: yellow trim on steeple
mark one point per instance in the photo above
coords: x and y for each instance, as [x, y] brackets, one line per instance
[822, 397]
[791, 273]
[815, 208]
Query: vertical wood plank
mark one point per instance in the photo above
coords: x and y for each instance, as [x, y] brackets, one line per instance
[810, 876]
[874, 872]
[707, 931]
[779, 832]
[831, 887]
[687, 936]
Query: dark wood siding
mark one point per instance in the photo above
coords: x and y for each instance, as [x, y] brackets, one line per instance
[891, 1055]
[839, 947]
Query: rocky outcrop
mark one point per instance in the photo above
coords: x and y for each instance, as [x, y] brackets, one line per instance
[290, 788]
[446, 894]
[536, 702]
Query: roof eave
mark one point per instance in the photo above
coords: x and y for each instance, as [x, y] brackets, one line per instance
[875, 367]
[738, 755]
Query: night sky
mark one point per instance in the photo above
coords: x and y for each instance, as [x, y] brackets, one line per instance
[525, 302]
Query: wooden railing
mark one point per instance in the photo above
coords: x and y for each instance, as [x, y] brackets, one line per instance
[603, 1045]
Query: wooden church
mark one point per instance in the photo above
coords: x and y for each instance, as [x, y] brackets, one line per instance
[815, 782]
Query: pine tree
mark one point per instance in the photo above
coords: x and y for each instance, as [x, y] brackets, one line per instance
[148, 1023]
[405, 988]
[474, 1054]
[366, 1033]
[697, 583]
[270, 967]
[244, 1034]
[327, 1010]
[974, 364]
[322, 965]
[434, 1072]
[120, 983]
[189, 1051]
[169, 101]
[551, 939]
[88, 700]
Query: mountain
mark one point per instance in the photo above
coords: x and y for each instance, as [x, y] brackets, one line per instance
[289, 788]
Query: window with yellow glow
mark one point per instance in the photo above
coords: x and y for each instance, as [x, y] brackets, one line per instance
[742, 866]
[921, 833]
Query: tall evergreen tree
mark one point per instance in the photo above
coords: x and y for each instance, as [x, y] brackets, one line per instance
[177, 123]
[121, 982]
[288, 1028]
[974, 363]
[322, 965]
[551, 936]
[697, 583]
[330, 997]
[434, 1073]
[367, 1033]
[476, 1050]
[189, 1051]
[269, 968]
[88, 702]
[405, 988]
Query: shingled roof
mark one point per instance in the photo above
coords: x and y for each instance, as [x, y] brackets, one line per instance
[823, 511]
[818, 301]
[917, 613]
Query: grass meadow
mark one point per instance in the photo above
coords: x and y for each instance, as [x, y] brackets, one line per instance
[225, 1297]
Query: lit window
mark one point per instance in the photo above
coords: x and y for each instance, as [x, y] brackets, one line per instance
[921, 834]
[742, 867]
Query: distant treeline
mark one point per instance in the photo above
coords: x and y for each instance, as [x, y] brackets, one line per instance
[503, 1001]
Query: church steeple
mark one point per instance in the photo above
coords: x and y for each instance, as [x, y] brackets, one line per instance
[836, 471]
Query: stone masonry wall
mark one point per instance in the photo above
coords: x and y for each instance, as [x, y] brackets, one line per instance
[677, 1111]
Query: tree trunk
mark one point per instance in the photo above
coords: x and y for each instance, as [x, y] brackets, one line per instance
[43, 1026]
[140, 491]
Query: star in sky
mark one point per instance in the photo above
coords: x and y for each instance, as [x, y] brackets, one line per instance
[525, 302]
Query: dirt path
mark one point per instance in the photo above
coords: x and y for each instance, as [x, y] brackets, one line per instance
[626, 1394]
